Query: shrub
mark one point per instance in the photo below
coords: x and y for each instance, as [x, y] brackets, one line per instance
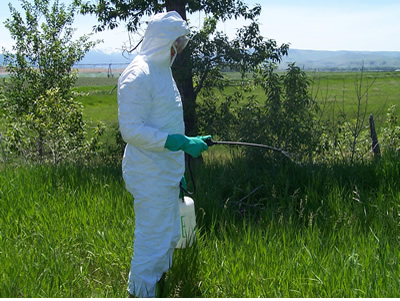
[286, 119]
[41, 113]
[390, 140]
[53, 129]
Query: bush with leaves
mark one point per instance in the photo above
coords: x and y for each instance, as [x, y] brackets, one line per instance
[53, 129]
[345, 136]
[286, 119]
[390, 140]
[38, 95]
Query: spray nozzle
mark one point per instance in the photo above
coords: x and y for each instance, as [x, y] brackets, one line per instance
[209, 142]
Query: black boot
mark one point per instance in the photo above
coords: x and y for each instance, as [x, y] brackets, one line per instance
[160, 286]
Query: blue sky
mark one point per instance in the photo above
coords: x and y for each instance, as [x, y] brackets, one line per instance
[372, 25]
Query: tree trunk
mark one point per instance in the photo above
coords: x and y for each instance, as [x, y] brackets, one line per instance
[182, 71]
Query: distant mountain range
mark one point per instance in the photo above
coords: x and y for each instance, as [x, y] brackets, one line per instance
[305, 59]
[343, 60]
[98, 57]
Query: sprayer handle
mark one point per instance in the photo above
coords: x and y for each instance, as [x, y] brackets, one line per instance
[209, 142]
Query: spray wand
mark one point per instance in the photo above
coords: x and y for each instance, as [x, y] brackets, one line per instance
[210, 142]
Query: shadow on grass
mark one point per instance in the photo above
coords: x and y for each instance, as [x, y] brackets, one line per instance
[183, 279]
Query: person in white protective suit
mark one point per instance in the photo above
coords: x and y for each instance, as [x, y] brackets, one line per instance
[151, 123]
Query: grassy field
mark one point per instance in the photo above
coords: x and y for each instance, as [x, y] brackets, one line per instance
[100, 100]
[100, 103]
[310, 231]
[339, 92]
[335, 91]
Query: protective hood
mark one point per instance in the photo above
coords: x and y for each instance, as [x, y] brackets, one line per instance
[162, 30]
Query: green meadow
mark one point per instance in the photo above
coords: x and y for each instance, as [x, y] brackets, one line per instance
[335, 92]
[309, 231]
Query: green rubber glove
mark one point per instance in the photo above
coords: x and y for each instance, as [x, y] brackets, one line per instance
[194, 146]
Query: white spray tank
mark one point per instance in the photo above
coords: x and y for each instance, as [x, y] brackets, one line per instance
[188, 223]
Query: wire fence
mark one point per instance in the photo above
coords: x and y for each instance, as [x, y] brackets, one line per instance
[111, 69]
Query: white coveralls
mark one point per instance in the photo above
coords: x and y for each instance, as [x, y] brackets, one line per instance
[150, 108]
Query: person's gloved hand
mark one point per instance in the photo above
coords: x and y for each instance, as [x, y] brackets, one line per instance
[194, 146]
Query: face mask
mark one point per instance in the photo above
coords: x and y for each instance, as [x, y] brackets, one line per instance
[181, 42]
[173, 58]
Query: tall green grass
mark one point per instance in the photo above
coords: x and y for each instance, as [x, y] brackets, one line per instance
[65, 232]
[311, 231]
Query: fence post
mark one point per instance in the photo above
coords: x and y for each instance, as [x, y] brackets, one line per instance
[374, 137]
[109, 73]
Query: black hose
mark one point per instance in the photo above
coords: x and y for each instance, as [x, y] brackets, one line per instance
[210, 142]
[191, 177]
[285, 153]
